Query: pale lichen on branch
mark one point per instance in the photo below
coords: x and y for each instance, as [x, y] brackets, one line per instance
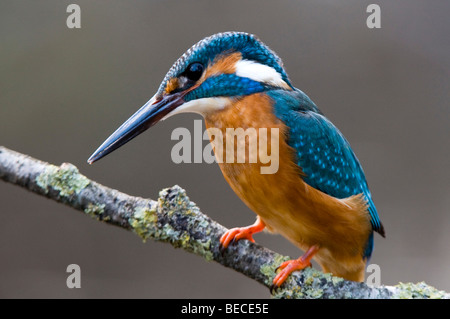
[174, 219]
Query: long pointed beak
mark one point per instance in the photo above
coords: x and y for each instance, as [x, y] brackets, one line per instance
[148, 115]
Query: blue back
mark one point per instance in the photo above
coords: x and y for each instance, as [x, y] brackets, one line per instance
[323, 153]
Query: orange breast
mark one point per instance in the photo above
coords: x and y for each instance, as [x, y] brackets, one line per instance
[285, 203]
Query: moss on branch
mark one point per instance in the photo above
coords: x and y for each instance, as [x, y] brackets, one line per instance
[174, 219]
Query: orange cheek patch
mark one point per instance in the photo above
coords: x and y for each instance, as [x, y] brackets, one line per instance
[172, 84]
[223, 65]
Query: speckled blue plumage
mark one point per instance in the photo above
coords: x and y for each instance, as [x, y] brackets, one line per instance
[323, 153]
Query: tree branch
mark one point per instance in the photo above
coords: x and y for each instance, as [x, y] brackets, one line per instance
[174, 219]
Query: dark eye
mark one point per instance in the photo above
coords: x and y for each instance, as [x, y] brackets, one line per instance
[194, 71]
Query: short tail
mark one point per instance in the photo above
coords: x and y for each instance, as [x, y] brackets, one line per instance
[374, 219]
[369, 248]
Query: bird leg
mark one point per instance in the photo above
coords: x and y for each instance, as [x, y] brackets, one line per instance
[290, 266]
[238, 233]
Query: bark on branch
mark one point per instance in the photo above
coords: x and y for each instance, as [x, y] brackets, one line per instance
[174, 219]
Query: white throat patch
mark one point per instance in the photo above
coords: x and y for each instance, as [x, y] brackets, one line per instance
[201, 106]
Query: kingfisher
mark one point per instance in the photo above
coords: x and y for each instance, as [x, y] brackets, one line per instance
[318, 197]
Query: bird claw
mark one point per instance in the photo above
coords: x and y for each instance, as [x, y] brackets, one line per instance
[231, 236]
[222, 250]
[286, 269]
[273, 288]
[223, 247]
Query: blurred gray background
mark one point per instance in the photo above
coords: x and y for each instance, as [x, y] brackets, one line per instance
[63, 91]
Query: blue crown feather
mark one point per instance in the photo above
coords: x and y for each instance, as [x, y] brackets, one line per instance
[205, 51]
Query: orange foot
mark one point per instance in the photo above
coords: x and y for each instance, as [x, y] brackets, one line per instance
[290, 266]
[239, 233]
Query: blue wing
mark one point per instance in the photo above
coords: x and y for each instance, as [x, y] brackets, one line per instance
[323, 153]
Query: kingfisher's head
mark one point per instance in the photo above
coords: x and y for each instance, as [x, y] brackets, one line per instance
[206, 78]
